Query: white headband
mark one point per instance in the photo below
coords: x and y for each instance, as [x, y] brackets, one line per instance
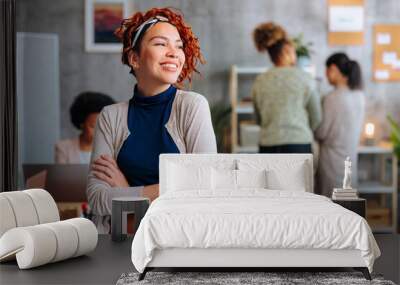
[149, 23]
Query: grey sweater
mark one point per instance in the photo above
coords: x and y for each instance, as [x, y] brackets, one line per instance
[189, 126]
[339, 137]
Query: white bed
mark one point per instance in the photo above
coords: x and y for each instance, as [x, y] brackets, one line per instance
[241, 210]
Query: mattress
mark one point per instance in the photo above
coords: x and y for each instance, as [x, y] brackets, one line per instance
[250, 219]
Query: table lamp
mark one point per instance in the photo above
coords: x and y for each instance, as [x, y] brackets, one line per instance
[369, 134]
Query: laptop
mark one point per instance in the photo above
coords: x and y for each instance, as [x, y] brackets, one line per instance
[65, 182]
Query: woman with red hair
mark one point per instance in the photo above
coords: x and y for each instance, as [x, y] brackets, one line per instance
[162, 52]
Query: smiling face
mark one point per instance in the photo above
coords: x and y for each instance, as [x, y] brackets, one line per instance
[160, 60]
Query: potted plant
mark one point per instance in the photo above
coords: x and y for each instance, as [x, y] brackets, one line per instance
[303, 51]
[220, 116]
[395, 135]
[395, 139]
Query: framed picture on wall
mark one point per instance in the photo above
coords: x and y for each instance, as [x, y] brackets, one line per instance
[102, 17]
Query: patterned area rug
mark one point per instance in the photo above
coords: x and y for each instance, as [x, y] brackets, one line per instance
[230, 278]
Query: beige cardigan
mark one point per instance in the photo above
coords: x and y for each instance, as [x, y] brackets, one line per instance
[190, 128]
[67, 151]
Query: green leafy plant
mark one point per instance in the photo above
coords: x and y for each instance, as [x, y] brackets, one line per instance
[395, 135]
[302, 48]
[220, 116]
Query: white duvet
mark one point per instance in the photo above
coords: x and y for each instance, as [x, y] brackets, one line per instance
[252, 218]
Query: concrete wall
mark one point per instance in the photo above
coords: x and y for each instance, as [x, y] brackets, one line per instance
[224, 28]
[38, 96]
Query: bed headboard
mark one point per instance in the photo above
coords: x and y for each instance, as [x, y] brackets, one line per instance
[284, 162]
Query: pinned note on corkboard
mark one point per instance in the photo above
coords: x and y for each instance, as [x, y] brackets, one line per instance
[346, 22]
[386, 44]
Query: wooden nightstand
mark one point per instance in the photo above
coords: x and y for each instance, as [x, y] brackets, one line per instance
[357, 205]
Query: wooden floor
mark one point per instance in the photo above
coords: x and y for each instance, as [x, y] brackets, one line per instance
[389, 262]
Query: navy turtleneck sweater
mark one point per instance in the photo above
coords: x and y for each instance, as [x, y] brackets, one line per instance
[138, 158]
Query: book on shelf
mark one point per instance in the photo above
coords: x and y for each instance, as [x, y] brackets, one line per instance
[344, 191]
[335, 197]
[344, 194]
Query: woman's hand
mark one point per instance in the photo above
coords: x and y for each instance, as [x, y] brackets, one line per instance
[105, 168]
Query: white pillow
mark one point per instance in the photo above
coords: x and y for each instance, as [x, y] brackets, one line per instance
[280, 175]
[223, 179]
[293, 179]
[227, 179]
[251, 178]
[183, 177]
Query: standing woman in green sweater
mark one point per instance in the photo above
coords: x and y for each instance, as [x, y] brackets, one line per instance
[287, 106]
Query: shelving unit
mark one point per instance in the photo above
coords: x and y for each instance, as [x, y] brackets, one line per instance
[381, 188]
[240, 108]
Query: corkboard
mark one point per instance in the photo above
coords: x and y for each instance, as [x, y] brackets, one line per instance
[386, 45]
[345, 38]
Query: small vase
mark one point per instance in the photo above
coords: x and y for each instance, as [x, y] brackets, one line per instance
[303, 61]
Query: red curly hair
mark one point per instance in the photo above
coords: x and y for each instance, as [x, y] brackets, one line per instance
[191, 46]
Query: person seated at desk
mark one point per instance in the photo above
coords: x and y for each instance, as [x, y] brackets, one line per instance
[161, 51]
[343, 116]
[84, 111]
[287, 106]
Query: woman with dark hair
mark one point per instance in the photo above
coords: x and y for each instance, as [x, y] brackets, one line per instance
[286, 103]
[339, 132]
[84, 111]
[162, 52]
